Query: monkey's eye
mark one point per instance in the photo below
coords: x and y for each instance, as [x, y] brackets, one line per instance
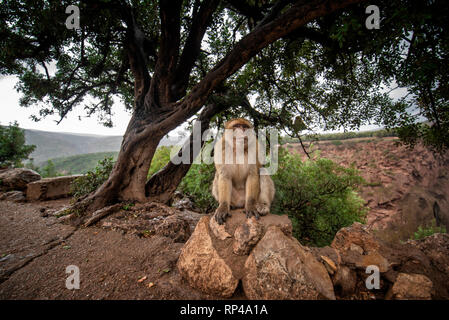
[241, 126]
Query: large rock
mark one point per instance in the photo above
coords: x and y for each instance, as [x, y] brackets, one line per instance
[279, 267]
[217, 257]
[273, 265]
[411, 287]
[50, 188]
[355, 248]
[203, 267]
[17, 178]
[16, 196]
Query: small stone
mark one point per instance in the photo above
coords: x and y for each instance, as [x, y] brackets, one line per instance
[329, 264]
[346, 280]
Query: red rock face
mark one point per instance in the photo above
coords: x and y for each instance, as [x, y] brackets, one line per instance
[402, 186]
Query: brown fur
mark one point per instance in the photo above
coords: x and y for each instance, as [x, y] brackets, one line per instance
[237, 184]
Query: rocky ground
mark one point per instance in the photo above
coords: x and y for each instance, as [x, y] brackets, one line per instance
[140, 252]
[402, 185]
[135, 254]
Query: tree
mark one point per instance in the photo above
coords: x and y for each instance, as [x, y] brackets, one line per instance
[12, 146]
[171, 60]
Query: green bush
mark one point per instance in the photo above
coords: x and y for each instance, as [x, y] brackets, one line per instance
[160, 159]
[92, 179]
[318, 196]
[197, 185]
[425, 231]
[49, 170]
[337, 142]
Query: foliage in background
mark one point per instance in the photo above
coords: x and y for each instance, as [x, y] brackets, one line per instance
[197, 185]
[343, 135]
[318, 195]
[425, 231]
[160, 159]
[81, 163]
[12, 146]
[92, 179]
[49, 170]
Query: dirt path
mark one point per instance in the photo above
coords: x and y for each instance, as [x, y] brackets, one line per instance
[35, 250]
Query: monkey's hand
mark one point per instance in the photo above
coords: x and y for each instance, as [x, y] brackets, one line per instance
[250, 211]
[221, 213]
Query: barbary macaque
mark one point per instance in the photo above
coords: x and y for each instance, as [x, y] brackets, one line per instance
[238, 182]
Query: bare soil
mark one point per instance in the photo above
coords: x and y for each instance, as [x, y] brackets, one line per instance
[35, 250]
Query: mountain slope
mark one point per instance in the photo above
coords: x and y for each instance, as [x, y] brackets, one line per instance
[50, 145]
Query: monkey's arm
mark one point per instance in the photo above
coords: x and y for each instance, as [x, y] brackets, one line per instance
[224, 198]
[252, 192]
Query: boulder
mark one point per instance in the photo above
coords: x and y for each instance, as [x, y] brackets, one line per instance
[50, 188]
[202, 266]
[411, 287]
[17, 178]
[271, 264]
[279, 267]
[16, 196]
[217, 257]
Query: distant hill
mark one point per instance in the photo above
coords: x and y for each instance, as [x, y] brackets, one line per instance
[51, 145]
[82, 163]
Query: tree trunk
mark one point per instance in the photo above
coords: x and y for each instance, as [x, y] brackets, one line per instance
[163, 183]
[129, 175]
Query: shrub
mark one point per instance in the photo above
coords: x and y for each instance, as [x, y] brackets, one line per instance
[337, 142]
[49, 170]
[160, 159]
[197, 185]
[425, 231]
[318, 196]
[92, 179]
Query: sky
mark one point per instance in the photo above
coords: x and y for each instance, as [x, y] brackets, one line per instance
[11, 111]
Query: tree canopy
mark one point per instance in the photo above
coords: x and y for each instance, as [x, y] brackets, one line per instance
[12, 146]
[332, 72]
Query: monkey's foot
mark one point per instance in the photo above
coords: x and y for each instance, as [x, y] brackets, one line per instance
[221, 214]
[263, 209]
[252, 212]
